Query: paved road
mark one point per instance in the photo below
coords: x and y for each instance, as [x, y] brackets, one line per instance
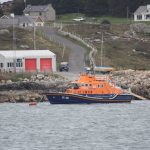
[76, 58]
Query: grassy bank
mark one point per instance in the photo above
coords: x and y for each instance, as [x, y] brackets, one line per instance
[119, 51]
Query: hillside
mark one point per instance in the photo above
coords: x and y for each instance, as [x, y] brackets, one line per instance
[122, 48]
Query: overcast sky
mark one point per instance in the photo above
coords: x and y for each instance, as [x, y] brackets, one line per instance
[1, 1]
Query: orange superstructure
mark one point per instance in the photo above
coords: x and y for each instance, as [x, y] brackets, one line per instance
[91, 84]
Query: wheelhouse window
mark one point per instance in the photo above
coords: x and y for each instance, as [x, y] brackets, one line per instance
[100, 86]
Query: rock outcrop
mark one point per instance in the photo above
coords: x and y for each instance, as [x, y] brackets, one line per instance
[137, 81]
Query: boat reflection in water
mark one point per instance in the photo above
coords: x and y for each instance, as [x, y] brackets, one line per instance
[91, 88]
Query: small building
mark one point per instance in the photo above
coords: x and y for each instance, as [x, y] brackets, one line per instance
[142, 13]
[46, 12]
[38, 21]
[24, 21]
[21, 21]
[30, 21]
[27, 61]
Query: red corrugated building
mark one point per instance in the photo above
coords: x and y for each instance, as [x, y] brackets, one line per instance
[28, 61]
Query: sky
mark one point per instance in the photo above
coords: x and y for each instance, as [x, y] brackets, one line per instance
[1, 1]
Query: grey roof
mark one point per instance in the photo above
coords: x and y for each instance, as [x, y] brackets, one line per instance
[5, 17]
[39, 8]
[141, 9]
[25, 19]
[9, 21]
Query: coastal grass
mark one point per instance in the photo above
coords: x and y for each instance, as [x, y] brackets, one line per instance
[120, 52]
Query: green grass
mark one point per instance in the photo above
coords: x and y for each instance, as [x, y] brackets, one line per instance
[113, 20]
[69, 17]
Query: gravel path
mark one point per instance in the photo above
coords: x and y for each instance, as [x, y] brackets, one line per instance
[76, 58]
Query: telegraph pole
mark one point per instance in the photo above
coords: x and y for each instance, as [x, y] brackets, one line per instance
[14, 44]
[102, 50]
[127, 14]
[34, 36]
[25, 3]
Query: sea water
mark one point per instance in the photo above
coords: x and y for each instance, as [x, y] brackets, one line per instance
[75, 127]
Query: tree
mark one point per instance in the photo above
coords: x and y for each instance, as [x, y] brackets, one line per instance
[1, 13]
[96, 7]
[88, 7]
[18, 7]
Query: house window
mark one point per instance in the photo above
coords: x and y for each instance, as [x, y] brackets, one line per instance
[10, 64]
[1, 65]
[147, 17]
[24, 24]
[139, 17]
[19, 64]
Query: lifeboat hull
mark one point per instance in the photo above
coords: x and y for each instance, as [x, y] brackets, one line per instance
[63, 98]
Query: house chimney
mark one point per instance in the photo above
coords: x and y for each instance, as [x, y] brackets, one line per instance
[148, 6]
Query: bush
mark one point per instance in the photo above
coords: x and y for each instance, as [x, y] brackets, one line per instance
[106, 24]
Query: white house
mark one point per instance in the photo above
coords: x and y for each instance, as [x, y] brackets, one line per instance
[142, 13]
[21, 21]
[27, 61]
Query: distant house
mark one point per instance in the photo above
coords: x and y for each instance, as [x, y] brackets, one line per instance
[21, 21]
[30, 21]
[24, 21]
[142, 13]
[46, 12]
[38, 21]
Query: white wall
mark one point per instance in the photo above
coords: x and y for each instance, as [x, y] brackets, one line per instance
[143, 17]
[22, 69]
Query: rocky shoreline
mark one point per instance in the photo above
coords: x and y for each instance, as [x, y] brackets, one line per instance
[137, 81]
[30, 90]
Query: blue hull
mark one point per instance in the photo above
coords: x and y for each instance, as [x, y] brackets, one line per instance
[63, 98]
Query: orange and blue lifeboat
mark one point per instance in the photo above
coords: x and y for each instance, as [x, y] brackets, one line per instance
[90, 89]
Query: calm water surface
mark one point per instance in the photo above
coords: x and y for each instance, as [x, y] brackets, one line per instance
[75, 127]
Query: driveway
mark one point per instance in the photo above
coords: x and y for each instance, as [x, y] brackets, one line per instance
[76, 58]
